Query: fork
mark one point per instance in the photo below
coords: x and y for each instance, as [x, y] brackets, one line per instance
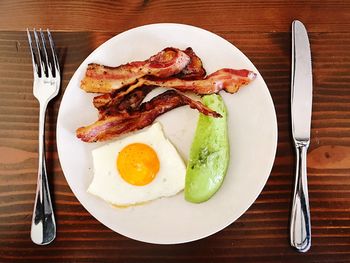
[45, 87]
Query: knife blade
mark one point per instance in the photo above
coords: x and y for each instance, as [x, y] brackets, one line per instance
[301, 109]
[301, 84]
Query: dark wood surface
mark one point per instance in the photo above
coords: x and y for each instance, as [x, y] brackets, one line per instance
[261, 29]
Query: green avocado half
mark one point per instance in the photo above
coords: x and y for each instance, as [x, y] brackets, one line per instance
[209, 154]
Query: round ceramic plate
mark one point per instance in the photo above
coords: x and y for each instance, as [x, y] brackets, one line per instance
[252, 130]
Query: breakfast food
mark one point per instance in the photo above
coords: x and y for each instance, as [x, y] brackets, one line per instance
[194, 69]
[169, 62]
[229, 80]
[144, 165]
[130, 100]
[115, 123]
[129, 103]
[137, 169]
[120, 107]
[102, 79]
[226, 79]
[209, 154]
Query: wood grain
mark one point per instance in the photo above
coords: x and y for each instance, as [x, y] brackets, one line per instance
[113, 16]
[260, 235]
[261, 29]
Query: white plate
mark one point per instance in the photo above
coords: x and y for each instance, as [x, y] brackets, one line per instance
[252, 135]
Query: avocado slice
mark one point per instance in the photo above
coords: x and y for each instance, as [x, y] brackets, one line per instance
[209, 154]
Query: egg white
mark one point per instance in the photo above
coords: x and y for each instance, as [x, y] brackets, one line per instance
[111, 187]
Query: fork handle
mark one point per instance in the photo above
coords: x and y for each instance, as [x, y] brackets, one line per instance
[300, 226]
[43, 229]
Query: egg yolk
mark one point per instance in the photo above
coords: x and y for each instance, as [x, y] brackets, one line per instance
[138, 164]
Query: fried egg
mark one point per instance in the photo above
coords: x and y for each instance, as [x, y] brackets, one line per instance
[137, 169]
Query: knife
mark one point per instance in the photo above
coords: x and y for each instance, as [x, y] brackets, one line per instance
[301, 105]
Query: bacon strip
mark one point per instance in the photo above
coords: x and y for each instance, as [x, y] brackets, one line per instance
[226, 79]
[104, 79]
[229, 80]
[127, 103]
[102, 100]
[122, 123]
[194, 70]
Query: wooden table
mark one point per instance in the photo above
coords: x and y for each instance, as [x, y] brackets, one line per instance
[261, 29]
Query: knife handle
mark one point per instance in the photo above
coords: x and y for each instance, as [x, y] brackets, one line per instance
[300, 226]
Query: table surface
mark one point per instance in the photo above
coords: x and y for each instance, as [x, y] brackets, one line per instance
[261, 29]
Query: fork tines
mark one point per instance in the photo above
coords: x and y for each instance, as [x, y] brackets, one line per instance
[44, 64]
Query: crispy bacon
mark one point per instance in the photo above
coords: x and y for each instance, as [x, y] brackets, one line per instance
[194, 69]
[226, 79]
[126, 103]
[229, 80]
[121, 122]
[104, 79]
[103, 101]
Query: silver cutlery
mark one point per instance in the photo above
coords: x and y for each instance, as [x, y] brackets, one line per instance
[45, 87]
[301, 107]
